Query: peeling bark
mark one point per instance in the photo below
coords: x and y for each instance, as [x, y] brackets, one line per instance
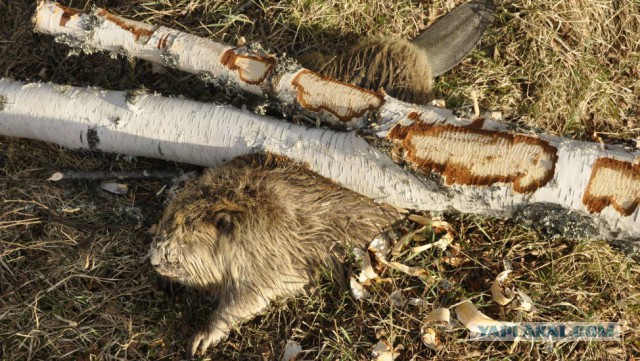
[476, 167]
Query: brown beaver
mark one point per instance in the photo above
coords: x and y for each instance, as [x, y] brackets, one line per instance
[258, 228]
[397, 66]
[405, 69]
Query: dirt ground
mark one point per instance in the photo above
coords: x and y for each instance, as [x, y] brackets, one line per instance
[74, 279]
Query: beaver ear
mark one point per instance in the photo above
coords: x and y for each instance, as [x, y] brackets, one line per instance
[223, 222]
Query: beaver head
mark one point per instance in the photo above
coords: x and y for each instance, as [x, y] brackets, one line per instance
[193, 231]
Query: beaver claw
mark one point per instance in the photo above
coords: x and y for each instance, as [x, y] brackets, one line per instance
[205, 339]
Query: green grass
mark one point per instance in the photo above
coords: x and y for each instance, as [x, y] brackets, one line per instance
[74, 282]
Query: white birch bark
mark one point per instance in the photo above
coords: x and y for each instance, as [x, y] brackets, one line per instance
[247, 68]
[471, 168]
[199, 133]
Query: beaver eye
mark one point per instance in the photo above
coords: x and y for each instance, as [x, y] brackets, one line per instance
[223, 223]
[249, 191]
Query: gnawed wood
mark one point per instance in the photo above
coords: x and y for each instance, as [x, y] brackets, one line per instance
[248, 68]
[613, 183]
[464, 155]
[311, 95]
[208, 134]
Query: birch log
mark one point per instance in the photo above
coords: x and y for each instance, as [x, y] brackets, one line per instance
[199, 133]
[246, 68]
[467, 167]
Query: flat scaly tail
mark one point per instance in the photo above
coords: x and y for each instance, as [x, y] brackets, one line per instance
[454, 35]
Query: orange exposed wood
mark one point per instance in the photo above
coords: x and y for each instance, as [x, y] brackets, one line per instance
[162, 43]
[251, 68]
[344, 101]
[613, 183]
[67, 13]
[477, 123]
[129, 25]
[468, 156]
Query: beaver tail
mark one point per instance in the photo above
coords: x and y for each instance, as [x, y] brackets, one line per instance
[453, 36]
[404, 69]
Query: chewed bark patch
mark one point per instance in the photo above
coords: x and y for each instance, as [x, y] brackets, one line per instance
[344, 101]
[613, 183]
[141, 31]
[251, 68]
[67, 14]
[469, 156]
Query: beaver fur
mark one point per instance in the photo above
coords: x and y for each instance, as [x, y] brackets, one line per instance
[397, 66]
[405, 69]
[256, 229]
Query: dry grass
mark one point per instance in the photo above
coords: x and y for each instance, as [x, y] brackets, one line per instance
[569, 67]
[74, 282]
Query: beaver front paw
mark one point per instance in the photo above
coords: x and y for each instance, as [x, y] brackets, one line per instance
[205, 339]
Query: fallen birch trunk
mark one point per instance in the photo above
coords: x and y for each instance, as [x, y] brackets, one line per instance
[466, 167]
[246, 68]
[199, 133]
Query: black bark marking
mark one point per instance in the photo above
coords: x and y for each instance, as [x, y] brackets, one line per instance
[554, 221]
[92, 138]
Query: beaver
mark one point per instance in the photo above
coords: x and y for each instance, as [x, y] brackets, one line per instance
[405, 69]
[258, 228]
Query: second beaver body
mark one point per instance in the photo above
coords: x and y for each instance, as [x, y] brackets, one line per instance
[405, 69]
[397, 66]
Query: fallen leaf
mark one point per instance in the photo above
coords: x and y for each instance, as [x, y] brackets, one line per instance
[496, 289]
[383, 351]
[115, 188]
[291, 350]
[473, 319]
[56, 177]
